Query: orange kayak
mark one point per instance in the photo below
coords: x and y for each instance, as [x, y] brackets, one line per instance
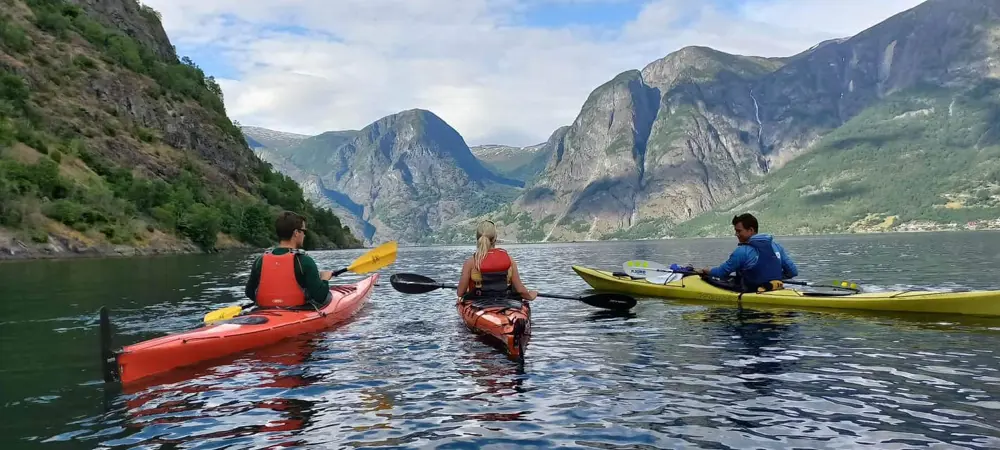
[505, 322]
[257, 329]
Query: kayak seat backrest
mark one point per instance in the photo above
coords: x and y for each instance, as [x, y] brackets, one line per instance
[247, 320]
[494, 302]
[729, 285]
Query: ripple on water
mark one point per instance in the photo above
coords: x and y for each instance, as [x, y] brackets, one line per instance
[406, 373]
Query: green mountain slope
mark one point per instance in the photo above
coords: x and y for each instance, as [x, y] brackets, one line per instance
[929, 155]
[109, 143]
[520, 163]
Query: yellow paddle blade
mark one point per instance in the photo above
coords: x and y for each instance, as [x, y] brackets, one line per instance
[375, 259]
[221, 314]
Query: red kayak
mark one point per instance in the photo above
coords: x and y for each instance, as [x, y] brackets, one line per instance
[504, 322]
[245, 332]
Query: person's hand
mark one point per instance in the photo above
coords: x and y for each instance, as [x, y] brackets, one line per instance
[532, 295]
[703, 271]
[326, 275]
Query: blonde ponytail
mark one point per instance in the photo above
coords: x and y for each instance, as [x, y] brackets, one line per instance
[486, 237]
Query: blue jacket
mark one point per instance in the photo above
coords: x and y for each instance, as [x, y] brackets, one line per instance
[745, 257]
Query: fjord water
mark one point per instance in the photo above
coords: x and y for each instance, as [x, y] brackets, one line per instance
[405, 373]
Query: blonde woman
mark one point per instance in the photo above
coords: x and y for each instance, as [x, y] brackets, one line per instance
[491, 272]
[486, 295]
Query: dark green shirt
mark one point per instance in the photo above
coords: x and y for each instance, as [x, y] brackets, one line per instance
[306, 273]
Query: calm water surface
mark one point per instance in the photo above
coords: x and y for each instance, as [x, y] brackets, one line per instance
[405, 373]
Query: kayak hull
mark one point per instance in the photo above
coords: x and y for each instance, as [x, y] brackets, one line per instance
[504, 322]
[977, 303]
[260, 328]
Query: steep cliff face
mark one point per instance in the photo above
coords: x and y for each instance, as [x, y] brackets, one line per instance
[635, 152]
[600, 169]
[110, 144]
[939, 43]
[690, 131]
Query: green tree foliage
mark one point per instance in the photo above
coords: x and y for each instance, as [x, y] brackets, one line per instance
[13, 37]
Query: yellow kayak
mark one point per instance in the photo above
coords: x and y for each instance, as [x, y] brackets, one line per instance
[979, 303]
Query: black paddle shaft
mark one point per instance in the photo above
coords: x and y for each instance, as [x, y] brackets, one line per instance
[418, 284]
[452, 286]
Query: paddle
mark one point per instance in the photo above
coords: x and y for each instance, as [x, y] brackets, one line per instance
[410, 283]
[371, 261]
[642, 269]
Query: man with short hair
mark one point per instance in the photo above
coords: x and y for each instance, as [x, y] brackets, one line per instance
[756, 261]
[284, 276]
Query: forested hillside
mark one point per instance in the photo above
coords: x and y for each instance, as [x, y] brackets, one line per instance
[111, 143]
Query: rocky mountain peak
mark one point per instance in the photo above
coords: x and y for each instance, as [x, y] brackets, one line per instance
[702, 64]
[140, 22]
[276, 140]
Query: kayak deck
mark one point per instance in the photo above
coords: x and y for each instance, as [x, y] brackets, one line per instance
[260, 328]
[979, 303]
[505, 322]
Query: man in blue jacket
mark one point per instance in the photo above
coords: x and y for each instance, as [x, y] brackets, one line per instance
[757, 260]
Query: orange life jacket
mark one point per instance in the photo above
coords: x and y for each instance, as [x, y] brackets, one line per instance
[278, 286]
[493, 275]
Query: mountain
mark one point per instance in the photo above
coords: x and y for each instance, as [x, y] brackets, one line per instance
[111, 145]
[258, 137]
[632, 153]
[520, 163]
[916, 161]
[402, 177]
[681, 145]
[701, 130]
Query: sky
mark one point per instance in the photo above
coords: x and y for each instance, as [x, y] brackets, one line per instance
[498, 71]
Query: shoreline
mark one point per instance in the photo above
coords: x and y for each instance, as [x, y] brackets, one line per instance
[16, 250]
[501, 241]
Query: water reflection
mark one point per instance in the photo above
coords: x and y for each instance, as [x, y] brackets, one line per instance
[193, 404]
[602, 315]
[759, 334]
[497, 378]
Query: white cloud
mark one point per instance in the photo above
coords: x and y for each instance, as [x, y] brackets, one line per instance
[309, 66]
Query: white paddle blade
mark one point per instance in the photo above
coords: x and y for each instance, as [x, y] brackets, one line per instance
[643, 269]
[664, 279]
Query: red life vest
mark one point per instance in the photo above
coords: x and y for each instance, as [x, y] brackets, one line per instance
[278, 286]
[494, 273]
